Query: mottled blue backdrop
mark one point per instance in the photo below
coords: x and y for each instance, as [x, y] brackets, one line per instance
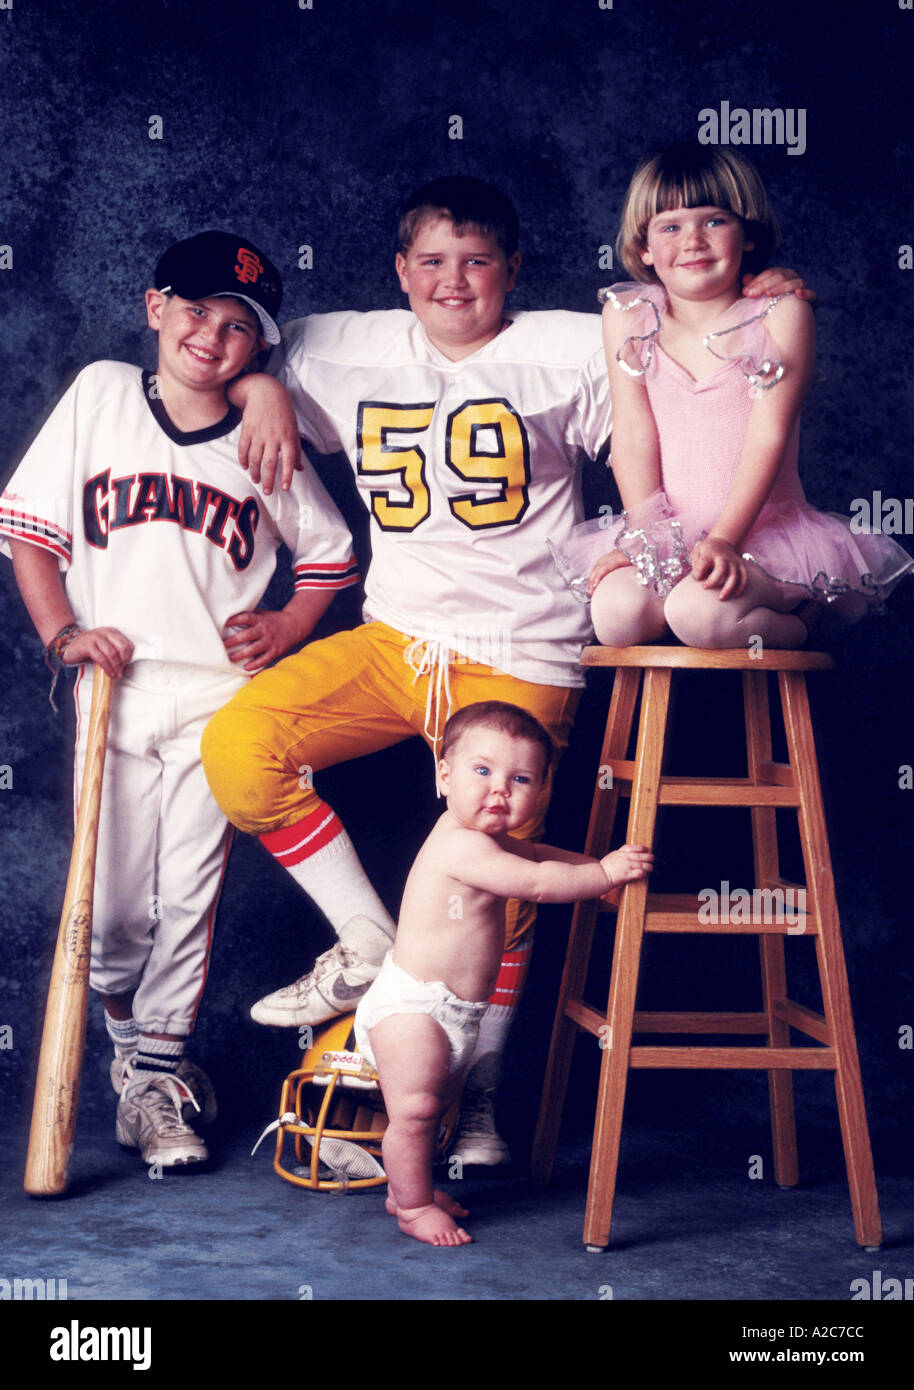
[305, 126]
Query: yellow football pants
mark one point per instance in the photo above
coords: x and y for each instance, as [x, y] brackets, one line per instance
[345, 696]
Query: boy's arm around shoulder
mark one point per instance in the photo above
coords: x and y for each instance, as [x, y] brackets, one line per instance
[277, 407]
[269, 430]
[269, 426]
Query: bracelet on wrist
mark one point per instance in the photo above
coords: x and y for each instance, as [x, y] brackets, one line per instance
[53, 655]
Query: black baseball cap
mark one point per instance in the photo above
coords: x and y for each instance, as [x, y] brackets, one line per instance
[218, 263]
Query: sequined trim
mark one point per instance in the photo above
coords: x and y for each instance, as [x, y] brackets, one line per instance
[825, 589]
[661, 572]
[606, 296]
[761, 375]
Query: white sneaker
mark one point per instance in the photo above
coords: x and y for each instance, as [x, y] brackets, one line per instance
[149, 1119]
[477, 1139]
[198, 1099]
[336, 984]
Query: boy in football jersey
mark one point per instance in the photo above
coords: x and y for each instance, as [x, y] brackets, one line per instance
[465, 426]
[136, 549]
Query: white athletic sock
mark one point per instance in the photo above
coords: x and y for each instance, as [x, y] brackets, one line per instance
[124, 1034]
[155, 1056]
[496, 1022]
[321, 858]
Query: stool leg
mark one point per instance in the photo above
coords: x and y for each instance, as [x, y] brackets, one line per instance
[830, 952]
[626, 961]
[773, 964]
[577, 956]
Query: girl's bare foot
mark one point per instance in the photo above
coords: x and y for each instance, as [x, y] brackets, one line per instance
[432, 1225]
[441, 1199]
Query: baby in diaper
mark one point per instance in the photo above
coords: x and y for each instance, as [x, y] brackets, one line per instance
[419, 1020]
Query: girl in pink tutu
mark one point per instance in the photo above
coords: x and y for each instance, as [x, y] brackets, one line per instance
[717, 540]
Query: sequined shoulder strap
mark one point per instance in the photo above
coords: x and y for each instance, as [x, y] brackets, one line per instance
[646, 302]
[742, 338]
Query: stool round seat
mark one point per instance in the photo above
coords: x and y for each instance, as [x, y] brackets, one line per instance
[707, 658]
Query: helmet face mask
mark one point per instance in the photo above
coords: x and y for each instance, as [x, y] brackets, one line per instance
[332, 1110]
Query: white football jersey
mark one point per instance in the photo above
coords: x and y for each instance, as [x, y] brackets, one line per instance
[160, 533]
[467, 469]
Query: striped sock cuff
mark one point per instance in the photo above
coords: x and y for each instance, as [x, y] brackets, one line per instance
[512, 974]
[155, 1054]
[295, 843]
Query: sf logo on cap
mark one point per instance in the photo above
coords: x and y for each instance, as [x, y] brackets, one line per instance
[249, 267]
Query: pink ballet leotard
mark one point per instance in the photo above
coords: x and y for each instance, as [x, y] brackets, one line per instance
[701, 427]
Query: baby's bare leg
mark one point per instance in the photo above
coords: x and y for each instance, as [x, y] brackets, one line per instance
[413, 1057]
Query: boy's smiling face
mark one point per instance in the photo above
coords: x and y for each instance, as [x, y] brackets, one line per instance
[203, 343]
[457, 285]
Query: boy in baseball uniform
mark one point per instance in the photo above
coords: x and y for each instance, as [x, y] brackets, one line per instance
[466, 425]
[140, 547]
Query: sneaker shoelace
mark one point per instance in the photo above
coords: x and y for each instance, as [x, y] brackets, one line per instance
[164, 1097]
[337, 956]
[477, 1114]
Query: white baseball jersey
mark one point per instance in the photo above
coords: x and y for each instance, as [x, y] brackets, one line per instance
[467, 469]
[159, 531]
[163, 536]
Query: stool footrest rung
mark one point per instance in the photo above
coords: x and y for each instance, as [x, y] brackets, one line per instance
[724, 791]
[777, 774]
[585, 1016]
[679, 912]
[700, 1023]
[774, 786]
[803, 1019]
[736, 1058]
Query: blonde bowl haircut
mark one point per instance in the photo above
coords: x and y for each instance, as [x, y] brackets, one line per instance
[691, 175]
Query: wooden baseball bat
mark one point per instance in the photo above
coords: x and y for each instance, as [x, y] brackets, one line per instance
[47, 1167]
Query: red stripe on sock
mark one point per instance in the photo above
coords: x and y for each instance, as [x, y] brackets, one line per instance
[294, 843]
[512, 973]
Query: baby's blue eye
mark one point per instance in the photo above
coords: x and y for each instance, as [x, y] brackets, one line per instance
[522, 778]
[482, 770]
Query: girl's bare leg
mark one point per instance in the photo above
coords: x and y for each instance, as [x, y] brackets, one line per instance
[700, 618]
[624, 612]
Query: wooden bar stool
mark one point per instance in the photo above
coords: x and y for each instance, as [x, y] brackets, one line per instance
[767, 786]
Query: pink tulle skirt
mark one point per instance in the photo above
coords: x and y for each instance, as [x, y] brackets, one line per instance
[822, 553]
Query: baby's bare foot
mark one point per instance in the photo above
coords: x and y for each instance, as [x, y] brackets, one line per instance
[441, 1199]
[432, 1225]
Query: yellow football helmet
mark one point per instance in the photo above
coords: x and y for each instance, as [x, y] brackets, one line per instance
[332, 1109]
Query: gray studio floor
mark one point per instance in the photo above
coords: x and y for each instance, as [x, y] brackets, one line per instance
[689, 1225]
